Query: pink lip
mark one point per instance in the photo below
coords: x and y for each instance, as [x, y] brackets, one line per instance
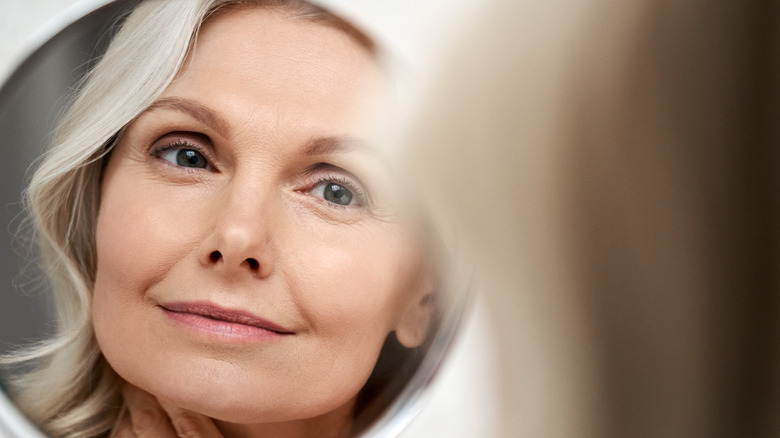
[213, 319]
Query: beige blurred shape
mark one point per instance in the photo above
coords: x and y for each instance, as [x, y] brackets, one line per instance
[613, 165]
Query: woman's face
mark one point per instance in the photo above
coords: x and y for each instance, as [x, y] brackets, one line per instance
[251, 259]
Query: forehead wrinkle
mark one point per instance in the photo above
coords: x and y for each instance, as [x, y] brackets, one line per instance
[196, 110]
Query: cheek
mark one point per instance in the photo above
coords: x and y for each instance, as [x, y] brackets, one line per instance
[357, 287]
[140, 232]
[121, 244]
[125, 251]
[358, 294]
[136, 247]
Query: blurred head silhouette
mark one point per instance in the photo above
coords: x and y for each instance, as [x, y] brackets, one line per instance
[614, 167]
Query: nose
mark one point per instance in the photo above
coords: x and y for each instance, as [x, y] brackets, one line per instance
[240, 242]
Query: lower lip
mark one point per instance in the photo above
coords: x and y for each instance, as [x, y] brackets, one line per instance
[222, 330]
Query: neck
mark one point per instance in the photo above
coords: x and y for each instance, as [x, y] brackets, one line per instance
[334, 424]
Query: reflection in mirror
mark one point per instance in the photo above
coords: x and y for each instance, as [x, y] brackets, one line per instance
[225, 237]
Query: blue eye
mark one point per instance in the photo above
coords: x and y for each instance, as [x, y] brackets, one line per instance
[186, 158]
[335, 193]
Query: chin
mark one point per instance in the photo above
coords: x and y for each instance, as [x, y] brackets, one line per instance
[238, 403]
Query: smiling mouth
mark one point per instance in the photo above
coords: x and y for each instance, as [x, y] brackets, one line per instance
[212, 318]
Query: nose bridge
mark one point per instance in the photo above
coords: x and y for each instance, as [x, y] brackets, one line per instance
[243, 229]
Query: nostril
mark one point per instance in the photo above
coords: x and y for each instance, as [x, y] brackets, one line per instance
[253, 264]
[215, 256]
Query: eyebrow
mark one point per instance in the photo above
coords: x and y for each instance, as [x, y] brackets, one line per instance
[331, 145]
[195, 110]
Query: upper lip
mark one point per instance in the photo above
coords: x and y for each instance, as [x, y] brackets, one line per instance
[214, 311]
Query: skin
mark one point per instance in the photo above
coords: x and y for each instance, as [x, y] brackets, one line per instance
[145, 417]
[276, 109]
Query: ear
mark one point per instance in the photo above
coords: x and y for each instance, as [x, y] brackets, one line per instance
[415, 322]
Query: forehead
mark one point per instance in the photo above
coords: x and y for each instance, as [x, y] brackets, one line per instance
[266, 41]
[273, 60]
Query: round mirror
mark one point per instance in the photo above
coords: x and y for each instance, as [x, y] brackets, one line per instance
[228, 199]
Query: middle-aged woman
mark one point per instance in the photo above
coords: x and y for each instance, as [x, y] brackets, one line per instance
[225, 240]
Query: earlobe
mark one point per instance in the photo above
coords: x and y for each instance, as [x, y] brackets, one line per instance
[415, 323]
